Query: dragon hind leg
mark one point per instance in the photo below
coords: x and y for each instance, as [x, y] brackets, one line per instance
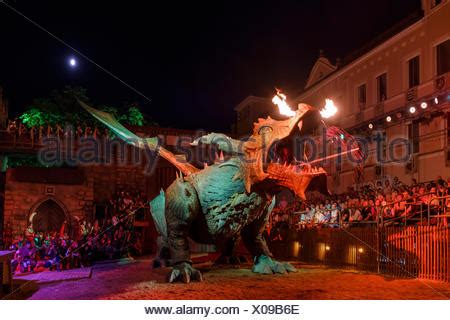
[157, 206]
[182, 207]
[255, 243]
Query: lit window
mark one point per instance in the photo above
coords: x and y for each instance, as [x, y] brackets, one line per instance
[382, 87]
[443, 57]
[414, 71]
[362, 95]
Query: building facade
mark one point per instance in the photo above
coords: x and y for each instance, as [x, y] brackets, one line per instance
[398, 90]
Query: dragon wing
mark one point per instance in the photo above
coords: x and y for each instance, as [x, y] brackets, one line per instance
[122, 132]
[129, 137]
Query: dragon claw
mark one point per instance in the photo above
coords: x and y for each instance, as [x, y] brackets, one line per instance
[174, 274]
[265, 265]
[184, 272]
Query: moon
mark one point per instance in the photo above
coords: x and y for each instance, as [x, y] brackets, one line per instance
[72, 62]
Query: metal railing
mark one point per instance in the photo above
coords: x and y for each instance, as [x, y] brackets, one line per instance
[414, 216]
[423, 211]
[413, 251]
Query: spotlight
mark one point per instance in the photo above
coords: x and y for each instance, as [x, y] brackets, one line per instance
[436, 100]
[360, 250]
[412, 109]
[388, 119]
[424, 105]
[327, 248]
[370, 126]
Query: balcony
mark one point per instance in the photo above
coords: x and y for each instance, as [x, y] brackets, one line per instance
[442, 82]
[379, 109]
[411, 94]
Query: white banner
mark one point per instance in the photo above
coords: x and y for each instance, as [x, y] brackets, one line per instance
[223, 309]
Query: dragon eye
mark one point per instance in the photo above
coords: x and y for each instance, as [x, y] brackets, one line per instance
[265, 129]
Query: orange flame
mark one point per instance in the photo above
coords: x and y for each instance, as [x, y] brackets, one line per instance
[280, 100]
[329, 110]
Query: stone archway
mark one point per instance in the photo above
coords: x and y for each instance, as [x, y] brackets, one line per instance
[48, 216]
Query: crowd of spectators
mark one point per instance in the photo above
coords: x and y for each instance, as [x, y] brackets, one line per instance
[386, 201]
[112, 238]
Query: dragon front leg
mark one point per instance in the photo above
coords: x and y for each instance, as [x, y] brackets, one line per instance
[255, 243]
[182, 269]
[181, 207]
[266, 265]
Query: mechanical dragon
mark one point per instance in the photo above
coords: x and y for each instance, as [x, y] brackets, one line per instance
[227, 201]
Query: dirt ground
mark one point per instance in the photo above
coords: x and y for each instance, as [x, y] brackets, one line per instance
[138, 281]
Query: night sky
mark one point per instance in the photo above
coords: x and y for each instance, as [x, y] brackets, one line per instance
[194, 60]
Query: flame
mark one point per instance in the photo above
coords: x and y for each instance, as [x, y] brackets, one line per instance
[280, 100]
[329, 110]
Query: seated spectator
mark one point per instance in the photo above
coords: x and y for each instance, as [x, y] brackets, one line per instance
[52, 257]
[334, 212]
[27, 257]
[356, 216]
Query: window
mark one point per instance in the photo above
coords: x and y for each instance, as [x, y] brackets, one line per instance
[362, 95]
[448, 140]
[413, 134]
[414, 71]
[443, 57]
[437, 2]
[448, 129]
[382, 87]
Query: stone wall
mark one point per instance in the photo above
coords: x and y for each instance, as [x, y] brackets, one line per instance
[96, 185]
[22, 198]
[109, 179]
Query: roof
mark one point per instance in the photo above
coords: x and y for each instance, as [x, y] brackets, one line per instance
[251, 99]
[321, 69]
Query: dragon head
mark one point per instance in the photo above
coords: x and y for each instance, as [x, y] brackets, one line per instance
[262, 163]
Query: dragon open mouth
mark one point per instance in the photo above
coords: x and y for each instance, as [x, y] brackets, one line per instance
[286, 167]
[294, 177]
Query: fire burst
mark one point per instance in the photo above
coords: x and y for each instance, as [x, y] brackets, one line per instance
[329, 110]
[280, 100]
